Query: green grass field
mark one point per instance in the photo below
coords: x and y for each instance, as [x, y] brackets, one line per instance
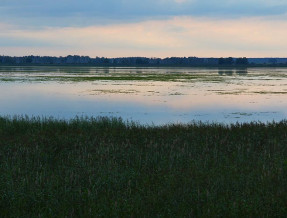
[109, 168]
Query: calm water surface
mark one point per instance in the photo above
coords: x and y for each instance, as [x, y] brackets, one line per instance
[146, 95]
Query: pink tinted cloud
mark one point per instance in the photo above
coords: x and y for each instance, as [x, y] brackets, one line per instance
[178, 36]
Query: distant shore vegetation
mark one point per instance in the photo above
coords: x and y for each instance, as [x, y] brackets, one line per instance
[141, 61]
[106, 167]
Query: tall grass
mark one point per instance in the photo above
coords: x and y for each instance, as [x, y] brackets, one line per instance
[107, 167]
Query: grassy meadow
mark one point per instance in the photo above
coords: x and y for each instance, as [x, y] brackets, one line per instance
[105, 167]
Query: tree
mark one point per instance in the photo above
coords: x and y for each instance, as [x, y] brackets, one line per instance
[242, 61]
[226, 61]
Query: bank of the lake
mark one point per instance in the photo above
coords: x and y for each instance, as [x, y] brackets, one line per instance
[106, 167]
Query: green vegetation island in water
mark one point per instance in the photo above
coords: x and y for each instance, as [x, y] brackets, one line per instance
[106, 167]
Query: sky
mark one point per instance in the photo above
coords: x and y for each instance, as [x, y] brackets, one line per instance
[150, 28]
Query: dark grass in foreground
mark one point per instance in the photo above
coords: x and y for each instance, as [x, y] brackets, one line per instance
[104, 167]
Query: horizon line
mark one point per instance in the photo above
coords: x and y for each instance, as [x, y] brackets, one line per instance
[20, 56]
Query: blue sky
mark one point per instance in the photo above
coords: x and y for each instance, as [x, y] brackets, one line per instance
[144, 28]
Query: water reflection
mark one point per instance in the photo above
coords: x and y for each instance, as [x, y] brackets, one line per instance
[232, 72]
[225, 72]
[225, 95]
[242, 72]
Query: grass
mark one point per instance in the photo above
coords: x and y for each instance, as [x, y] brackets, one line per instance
[167, 77]
[269, 92]
[109, 168]
[113, 91]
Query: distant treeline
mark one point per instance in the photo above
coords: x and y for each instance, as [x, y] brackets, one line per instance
[141, 61]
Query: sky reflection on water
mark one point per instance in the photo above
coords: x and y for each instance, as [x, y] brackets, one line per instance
[208, 95]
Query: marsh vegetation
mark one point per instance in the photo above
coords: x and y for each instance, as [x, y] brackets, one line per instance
[107, 167]
[130, 167]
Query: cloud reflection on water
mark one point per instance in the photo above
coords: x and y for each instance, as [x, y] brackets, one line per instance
[228, 95]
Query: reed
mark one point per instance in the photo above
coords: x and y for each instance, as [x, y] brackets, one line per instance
[108, 167]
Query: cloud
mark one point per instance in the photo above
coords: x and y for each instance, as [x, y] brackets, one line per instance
[180, 1]
[178, 36]
[37, 13]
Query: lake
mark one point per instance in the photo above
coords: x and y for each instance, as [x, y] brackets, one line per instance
[146, 95]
